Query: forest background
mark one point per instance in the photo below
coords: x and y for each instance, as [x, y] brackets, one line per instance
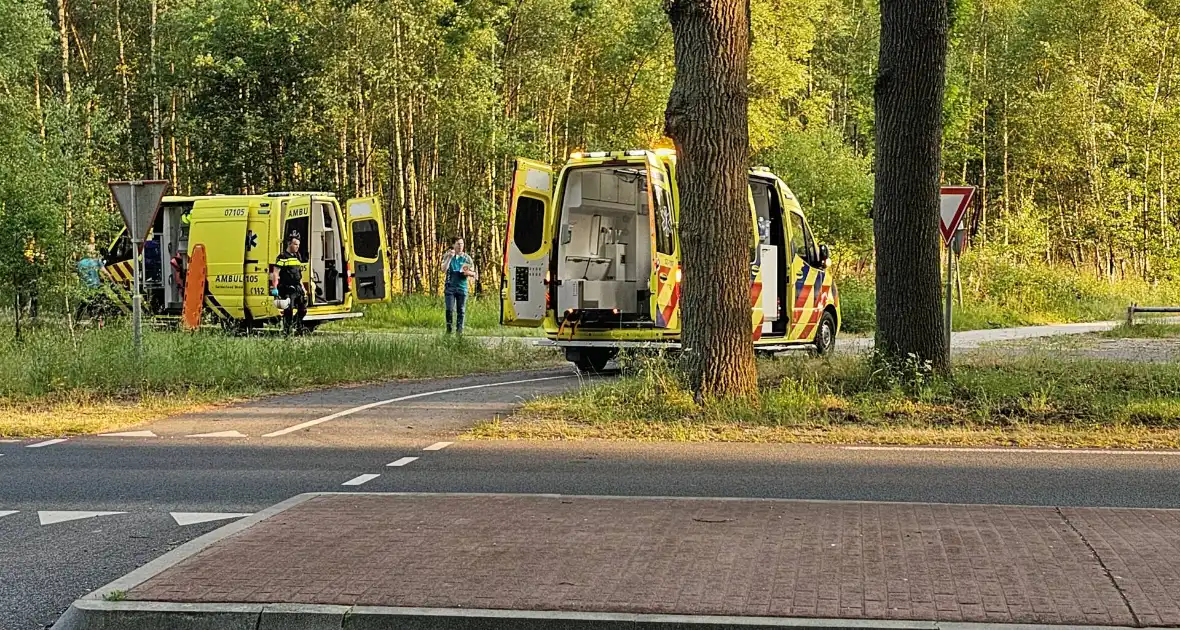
[1064, 113]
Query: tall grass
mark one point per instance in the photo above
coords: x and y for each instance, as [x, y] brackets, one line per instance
[101, 364]
[1000, 294]
[420, 313]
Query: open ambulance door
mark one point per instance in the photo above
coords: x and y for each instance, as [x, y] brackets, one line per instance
[758, 277]
[665, 250]
[524, 290]
[366, 237]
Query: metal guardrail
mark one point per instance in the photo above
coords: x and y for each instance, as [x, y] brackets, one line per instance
[1135, 308]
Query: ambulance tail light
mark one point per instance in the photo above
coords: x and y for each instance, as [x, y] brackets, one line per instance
[348, 275]
[679, 275]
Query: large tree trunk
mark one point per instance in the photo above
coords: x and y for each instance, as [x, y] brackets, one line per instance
[707, 119]
[908, 103]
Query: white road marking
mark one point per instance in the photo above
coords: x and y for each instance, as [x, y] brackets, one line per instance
[349, 412]
[51, 517]
[4, 513]
[192, 518]
[220, 434]
[356, 481]
[9, 441]
[968, 449]
[438, 446]
[403, 461]
[129, 434]
[46, 443]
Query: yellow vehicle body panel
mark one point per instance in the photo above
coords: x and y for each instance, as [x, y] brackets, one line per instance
[242, 235]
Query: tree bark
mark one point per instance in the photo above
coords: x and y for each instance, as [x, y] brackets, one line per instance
[64, 39]
[908, 98]
[707, 118]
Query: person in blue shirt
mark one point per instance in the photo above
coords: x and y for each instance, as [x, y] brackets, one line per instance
[91, 304]
[459, 267]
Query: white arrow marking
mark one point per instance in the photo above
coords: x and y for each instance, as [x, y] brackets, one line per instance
[192, 518]
[129, 434]
[49, 518]
[438, 446]
[403, 461]
[46, 443]
[219, 434]
[4, 513]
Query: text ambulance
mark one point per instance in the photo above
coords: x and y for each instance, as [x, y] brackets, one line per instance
[592, 255]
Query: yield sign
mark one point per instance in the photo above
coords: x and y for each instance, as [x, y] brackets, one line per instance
[955, 200]
[139, 201]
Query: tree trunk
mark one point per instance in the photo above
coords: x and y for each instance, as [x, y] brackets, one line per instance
[908, 100]
[63, 35]
[707, 118]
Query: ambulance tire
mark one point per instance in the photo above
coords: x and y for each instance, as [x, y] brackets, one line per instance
[825, 335]
[590, 360]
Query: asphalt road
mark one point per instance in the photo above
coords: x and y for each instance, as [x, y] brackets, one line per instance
[43, 567]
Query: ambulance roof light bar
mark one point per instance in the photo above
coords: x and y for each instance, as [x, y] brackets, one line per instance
[300, 193]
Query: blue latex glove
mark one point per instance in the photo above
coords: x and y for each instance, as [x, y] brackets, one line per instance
[274, 291]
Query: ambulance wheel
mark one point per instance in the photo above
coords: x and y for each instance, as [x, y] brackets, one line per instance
[590, 360]
[825, 335]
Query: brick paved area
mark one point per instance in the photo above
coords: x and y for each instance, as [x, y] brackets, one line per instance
[707, 556]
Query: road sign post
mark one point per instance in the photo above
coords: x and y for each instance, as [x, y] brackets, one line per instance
[138, 201]
[953, 205]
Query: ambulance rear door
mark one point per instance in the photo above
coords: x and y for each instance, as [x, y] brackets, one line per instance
[366, 237]
[665, 268]
[528, 241]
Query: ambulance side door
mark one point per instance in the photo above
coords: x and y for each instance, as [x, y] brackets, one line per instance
[367, 247]
[527, 243]
[665, 268]
[805, 278]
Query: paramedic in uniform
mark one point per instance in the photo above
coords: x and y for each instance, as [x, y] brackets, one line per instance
[459, 267]
[286, 281]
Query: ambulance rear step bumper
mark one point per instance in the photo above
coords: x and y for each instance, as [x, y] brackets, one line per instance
[670, 345]
[331, 317]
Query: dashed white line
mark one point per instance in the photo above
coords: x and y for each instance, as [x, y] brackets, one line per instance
[356, 481]
[4, 513]
[9, 441]
[348, 412]
[220, 434]
[46, 443]
[129, 434]
[968, 449]
[438, 446]
[403, 461]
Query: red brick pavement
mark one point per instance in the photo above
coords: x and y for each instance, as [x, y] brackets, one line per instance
[699, 556]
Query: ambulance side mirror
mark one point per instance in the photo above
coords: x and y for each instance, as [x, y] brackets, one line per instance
[825, 255]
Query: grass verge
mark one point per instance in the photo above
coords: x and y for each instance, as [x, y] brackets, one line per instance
[1026, 401]
[426, 313]
[55, 384]
[1144, 330]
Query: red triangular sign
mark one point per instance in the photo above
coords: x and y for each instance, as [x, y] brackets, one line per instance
[954, 202]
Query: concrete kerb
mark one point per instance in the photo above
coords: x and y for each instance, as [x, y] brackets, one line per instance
[130, 615]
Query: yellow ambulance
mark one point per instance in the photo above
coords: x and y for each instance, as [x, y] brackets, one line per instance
[592, 256]
[345, 250]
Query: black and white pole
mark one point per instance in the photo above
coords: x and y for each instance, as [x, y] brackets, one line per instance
[136, 259]
[954, 248]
